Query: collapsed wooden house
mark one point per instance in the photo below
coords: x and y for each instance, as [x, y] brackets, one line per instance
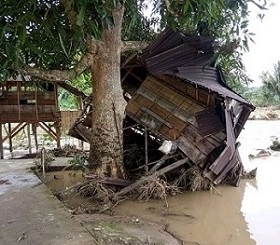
[25, 104]
[176, 94]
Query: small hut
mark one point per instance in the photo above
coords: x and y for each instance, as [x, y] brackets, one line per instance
[24, 104]
[176, 91]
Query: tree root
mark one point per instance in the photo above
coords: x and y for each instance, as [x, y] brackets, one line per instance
[192, 179]
[157, 188]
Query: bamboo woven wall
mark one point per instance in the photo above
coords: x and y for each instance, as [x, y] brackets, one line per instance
[68, 118]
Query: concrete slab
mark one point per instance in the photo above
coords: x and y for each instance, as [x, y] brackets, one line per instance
[30, 214]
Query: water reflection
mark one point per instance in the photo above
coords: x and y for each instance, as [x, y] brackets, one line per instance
[261, 202]
[199, 218]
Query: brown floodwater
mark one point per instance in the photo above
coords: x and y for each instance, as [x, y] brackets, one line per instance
[249, 214]
[245, 215]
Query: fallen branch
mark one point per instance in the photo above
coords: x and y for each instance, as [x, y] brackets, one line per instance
[146, 178]
[158, 164]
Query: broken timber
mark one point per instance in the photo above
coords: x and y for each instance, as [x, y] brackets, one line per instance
[146, 178]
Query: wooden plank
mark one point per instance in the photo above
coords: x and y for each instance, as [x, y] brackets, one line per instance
[159, 112]
[175, 83]
[132, 108]
[143, 101]
[191, 132]
[34, 130]
[152, 84]
[222, 160]
[146, 178]
[191, 151]
[147, 93]
[176, 122]
[151, 113]
[167, 133]
[242, 120]
[227, 168]
[208, 121]
[29, 117]
[47, 130]
[158, 164]
[14, 131]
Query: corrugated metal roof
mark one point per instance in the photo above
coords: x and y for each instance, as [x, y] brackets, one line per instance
[209, 78]
[181, 55]
[189, 58]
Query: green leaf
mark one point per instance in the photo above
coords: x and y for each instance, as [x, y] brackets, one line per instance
[62, 44]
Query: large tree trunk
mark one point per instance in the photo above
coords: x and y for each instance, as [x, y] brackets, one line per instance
[106, 149]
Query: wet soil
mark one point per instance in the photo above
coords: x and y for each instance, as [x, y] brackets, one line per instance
[109, 228]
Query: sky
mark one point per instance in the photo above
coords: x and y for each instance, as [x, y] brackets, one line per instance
[266, 50]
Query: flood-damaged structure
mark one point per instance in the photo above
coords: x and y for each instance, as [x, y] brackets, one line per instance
[177, 96]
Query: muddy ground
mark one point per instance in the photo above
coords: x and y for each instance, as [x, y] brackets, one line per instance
[102, 222]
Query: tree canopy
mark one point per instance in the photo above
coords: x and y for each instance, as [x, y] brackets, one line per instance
[53, 34]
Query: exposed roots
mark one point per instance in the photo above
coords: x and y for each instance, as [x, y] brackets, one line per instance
[157, 188]
[97, 190]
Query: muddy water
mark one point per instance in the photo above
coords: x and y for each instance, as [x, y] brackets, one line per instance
[246, 215]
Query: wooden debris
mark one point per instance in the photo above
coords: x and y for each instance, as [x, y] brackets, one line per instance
[146, 178]
[250, 175]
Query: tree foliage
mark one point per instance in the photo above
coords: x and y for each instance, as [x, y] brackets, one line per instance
[52, 34]
[271, 85]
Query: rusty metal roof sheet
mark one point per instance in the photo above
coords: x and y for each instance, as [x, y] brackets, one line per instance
[209, 78]
[190, 58]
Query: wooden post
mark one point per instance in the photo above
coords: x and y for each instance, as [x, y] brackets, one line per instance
[18, 98]
[29, 139]
[57, 128]
[146, 152]
[1, 143]
[34, 131]
[10, 137]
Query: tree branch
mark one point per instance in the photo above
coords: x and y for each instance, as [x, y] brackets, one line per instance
[133, 45]
[64, 75]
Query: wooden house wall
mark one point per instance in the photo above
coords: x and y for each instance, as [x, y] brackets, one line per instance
[28, 106]
[169, 109]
